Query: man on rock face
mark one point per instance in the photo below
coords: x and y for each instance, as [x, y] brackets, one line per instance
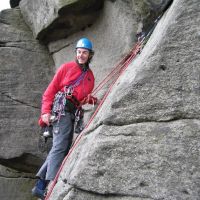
[70, 88]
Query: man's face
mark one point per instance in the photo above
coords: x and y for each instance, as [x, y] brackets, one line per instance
[82, 55]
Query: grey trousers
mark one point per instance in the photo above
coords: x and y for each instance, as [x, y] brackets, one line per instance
[61, 144]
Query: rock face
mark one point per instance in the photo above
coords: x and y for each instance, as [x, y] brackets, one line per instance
[15, 184]
[26, 69]
[144, 142]
[163, 83]
[139, 161]
[55, 19]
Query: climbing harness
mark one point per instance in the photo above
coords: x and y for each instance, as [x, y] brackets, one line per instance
[112, 77]
[59, 104]
[61, 99]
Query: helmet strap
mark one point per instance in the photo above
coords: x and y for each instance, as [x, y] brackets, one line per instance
[84, 67]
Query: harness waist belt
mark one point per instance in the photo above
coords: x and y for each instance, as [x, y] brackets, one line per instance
[70, 106]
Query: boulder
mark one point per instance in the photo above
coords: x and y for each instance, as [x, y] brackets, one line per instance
[162, 84]
[15, 184]
[55, 19]
[26, 68]
[152, 160]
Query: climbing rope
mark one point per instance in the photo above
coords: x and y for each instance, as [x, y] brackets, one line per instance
[113, 77]
[120, 66]
[116, 70]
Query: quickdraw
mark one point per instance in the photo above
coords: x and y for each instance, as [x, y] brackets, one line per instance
[59, 104]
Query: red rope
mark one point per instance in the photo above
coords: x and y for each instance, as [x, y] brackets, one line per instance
[122, 66]
[115, 70]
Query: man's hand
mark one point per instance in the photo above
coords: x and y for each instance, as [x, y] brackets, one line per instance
[46, 118]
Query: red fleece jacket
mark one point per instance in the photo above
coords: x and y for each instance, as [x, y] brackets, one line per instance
[66, 74]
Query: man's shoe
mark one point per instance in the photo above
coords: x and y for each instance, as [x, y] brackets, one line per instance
[38, 193]
[39, 189]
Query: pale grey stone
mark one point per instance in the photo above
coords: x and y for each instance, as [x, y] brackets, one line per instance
[15, 184]
[26, 68]
[55, 19]
[144, 142]
[162, 84]
[153, 160]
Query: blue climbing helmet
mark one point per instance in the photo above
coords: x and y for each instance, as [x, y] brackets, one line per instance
[84, 43]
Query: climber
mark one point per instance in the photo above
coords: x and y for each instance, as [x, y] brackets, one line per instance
[70, 88]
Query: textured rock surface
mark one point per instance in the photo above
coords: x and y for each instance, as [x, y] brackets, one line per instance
[26, 68]
[148, 10]
[144, 143]
[163, 83]
[148, 160]
[146, 139]
[56, 19]
[15, 185]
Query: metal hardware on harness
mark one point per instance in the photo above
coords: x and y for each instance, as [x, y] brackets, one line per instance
[78, 114]
[53, 118]
[59, 104]
[69, 91]
[79, 124]
[47, 133]
[48, 129]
